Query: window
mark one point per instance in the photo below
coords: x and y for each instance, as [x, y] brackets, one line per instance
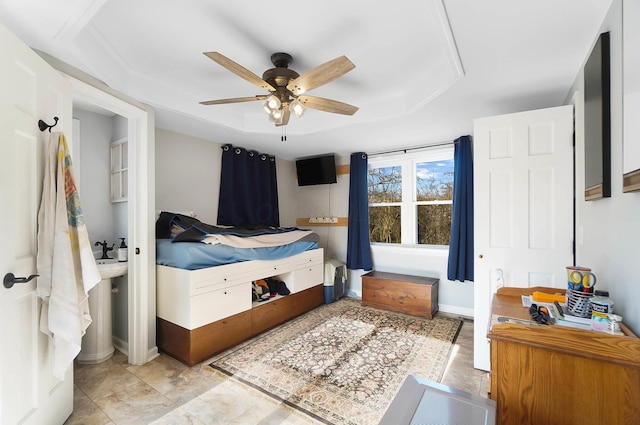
[411, 197]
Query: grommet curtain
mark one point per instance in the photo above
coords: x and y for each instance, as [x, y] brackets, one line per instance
[248, 189]
[358, 244]
[460, 266]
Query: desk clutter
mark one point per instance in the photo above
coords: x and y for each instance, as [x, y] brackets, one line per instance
[582, 306]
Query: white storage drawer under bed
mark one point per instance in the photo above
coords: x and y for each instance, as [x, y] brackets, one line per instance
[194, 298]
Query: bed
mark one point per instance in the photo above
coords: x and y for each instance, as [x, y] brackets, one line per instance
[205, 280]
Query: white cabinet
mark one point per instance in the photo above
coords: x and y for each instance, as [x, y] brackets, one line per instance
[119, 170]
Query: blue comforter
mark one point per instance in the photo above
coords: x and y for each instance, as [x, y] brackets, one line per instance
[198, 255]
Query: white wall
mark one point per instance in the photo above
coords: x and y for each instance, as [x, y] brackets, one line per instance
[95, 135]
[608, 230]
[287, 203]
[333, 200]
[188, 178]
[327, 200]
[187, 175]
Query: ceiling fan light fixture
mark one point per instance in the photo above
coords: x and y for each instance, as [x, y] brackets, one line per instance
[276, 116]
[272, 103]
[297, 108]
[285, 85]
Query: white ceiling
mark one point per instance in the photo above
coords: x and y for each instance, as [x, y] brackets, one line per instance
[424, 68]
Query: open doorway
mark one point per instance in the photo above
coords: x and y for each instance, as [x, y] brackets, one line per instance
[101, 169]
[138, 212]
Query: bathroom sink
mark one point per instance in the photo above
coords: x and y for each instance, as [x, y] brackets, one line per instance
[111, 267]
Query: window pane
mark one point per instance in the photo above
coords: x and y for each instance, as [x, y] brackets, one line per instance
[434, 180]
[385, 184]
[434, 224]
[384, 224]
[115, 158]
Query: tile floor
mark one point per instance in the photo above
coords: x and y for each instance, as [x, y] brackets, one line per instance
[165, 391]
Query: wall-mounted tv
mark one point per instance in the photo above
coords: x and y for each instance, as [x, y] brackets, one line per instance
[316, 170]
[597, 121]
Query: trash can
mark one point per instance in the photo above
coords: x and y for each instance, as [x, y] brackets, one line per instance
[420, 401]
[335, 280]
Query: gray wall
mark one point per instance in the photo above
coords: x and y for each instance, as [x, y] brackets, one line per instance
[104, 220]
[187, 175]
[608, 230]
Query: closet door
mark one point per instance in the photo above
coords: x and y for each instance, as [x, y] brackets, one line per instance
[31, 90]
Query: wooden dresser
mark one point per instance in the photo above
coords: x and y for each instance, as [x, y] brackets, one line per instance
[559, 375]
[414, 295]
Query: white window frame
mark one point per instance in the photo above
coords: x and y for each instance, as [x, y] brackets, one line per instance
[409, 203]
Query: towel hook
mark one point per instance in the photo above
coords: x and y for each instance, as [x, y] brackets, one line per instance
[43, 125]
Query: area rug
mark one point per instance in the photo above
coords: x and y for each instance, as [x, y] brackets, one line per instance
[343, 363]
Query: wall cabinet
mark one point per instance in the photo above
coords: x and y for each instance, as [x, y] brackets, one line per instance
[119, 170]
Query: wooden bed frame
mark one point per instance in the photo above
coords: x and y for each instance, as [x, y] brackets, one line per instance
[203, 312]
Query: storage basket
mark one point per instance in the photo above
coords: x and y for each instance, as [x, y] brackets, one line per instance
[579, 303]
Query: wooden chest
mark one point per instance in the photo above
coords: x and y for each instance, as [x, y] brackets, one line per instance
[413, 295]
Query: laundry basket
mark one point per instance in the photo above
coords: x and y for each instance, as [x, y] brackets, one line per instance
[579, 303]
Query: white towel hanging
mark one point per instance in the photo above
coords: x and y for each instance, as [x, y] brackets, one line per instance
[65, 261]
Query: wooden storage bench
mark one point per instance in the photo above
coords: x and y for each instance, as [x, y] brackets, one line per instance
[414, 295]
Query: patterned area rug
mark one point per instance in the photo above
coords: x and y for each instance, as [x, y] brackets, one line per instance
[343, 363]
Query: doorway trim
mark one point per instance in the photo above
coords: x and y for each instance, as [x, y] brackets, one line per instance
[140, 212]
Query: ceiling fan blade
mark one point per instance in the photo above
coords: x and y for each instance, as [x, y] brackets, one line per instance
[320, 75]
[239, 70]
[233, 100]
[328, 105]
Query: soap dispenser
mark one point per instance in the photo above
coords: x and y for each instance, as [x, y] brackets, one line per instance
[122, 251]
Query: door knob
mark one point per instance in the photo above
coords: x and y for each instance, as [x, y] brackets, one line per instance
[480, 256]
[10, 279]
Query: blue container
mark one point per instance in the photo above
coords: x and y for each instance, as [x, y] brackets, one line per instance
[329, 294]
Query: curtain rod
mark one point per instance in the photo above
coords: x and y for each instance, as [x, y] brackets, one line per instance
[413, 149]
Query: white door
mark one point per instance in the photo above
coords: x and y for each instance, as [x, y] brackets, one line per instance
[523, 215]
[30, 90]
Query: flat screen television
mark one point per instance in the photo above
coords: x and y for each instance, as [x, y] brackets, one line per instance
[597, 121]
[316, 170]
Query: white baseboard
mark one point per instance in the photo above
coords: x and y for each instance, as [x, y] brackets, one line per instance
[123, 346]
[152, 354]
[454, 309]
[120, 345]
[445, 308]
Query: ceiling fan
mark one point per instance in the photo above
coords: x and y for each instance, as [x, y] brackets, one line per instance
[286, 86]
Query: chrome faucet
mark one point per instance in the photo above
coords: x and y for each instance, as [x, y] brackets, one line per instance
[105, 249]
